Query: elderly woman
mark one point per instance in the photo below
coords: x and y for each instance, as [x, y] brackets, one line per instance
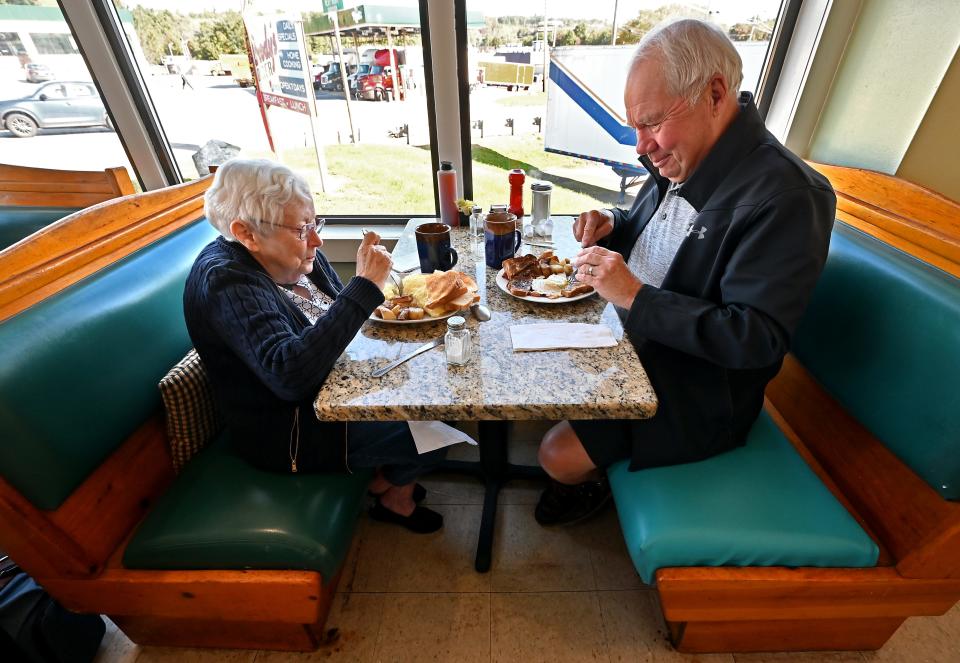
[269, 317]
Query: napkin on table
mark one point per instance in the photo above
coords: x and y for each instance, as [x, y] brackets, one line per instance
[560, 335]
[430, 435]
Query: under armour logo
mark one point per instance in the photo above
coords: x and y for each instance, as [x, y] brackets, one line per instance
[700, 232]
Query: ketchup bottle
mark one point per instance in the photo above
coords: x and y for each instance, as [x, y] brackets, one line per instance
[516, 179]
[447, 189]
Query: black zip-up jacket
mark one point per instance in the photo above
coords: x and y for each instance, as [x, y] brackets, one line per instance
[715, 332]
[266, 360]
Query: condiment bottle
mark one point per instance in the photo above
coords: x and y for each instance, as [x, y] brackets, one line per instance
[516, 179]
[540, 214]
[456, 342]
[476, 222]
[447, 189]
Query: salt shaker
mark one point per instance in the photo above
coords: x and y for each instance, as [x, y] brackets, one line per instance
[476, 222]
[456, 342]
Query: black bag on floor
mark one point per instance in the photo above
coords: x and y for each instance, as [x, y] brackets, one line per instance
[34, 628]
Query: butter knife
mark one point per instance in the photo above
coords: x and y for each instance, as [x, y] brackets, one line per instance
[383, 370]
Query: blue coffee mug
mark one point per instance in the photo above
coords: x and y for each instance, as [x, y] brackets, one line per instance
[501, 239]
[433, 247]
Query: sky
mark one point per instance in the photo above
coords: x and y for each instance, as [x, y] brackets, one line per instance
[726, 11]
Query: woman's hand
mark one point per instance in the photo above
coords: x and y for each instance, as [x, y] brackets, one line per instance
[606, 271]
[590, 227]
[373, 260]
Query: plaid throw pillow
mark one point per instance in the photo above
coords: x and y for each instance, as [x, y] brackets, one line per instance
[192, 416]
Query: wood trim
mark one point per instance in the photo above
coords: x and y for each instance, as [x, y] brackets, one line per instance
[251, 596]
[78, 538]
[102, 512]
[45, 187]
[218, 633]
[897, 505]
[907, 216]
[39, 547]
[884, 558]
[699, 594]
[75, 247]
[784, 635]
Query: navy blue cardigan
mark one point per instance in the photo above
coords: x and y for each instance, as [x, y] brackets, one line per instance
[264, 357]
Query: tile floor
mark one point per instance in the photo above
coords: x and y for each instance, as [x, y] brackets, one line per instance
[557, 595]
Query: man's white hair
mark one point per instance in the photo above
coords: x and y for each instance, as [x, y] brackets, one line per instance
[254, 191]
[691, 52]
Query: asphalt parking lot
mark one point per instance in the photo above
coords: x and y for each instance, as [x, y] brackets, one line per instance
[218, 108]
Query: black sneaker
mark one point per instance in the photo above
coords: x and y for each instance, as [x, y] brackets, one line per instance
[562, 504]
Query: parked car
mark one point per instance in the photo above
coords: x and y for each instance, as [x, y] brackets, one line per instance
[37, 73]
[57, 104]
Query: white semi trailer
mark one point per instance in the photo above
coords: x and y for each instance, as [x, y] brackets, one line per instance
[585, 115]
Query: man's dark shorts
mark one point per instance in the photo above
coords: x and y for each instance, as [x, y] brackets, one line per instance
[607, 441]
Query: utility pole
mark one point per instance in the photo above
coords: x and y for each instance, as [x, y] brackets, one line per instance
[613, 37]
[343, 75]
[546, 61]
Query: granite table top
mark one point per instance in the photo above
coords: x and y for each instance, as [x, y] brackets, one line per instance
[497, 383]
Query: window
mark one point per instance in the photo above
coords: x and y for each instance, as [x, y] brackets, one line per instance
[334, 111]
[50, 116]
[49, 43]
[571, 131]
[10, 44]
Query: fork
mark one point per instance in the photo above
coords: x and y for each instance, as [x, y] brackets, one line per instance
[399, 282]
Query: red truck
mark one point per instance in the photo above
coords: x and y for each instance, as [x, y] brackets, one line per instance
[375, 84]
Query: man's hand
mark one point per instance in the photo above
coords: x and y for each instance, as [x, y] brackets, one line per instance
[373, 260]
[590, 227]
[606, 271]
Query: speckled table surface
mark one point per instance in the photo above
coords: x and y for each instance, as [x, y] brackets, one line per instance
[498, 383]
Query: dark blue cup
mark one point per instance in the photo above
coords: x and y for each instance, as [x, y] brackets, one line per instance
[501, 239]
[433, 247]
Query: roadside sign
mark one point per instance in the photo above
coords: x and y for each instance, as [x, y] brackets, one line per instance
[332, 5]
[280, 60]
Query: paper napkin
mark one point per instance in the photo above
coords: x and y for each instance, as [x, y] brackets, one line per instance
[560, 335]
[430, 435]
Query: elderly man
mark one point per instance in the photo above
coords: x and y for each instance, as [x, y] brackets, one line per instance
[710, 270]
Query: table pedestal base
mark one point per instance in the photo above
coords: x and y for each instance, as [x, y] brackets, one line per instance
[494, 470]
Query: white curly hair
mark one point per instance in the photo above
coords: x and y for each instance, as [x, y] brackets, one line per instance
[254, 191]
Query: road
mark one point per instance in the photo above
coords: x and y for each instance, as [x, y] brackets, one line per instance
[217, 108]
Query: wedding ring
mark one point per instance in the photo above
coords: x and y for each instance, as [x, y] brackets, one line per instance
[590, 271]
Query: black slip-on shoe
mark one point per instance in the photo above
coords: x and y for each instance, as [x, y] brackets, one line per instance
[562, 504]
[421, 521]
[419, 492]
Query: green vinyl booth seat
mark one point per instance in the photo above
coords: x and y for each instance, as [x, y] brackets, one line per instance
[79, 371]
[758, 505]
[882, 336]
[79, 374]
[17, 222]
[222, 513]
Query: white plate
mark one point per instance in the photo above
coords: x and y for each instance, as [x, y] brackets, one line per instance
[373, 316]
[502, 284]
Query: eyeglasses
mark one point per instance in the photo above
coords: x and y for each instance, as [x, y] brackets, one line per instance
[303, 232]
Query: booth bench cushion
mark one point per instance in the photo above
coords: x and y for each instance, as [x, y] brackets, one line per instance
[17, 222]
[79, 370]
[222, 513]
[758, 505]
[882, 336]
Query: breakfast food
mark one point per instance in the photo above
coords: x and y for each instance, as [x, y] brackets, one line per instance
[428, 296]
[548, 276]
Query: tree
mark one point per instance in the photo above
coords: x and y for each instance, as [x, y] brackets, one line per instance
[222, 35]
[646, 19]
[160, 31]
